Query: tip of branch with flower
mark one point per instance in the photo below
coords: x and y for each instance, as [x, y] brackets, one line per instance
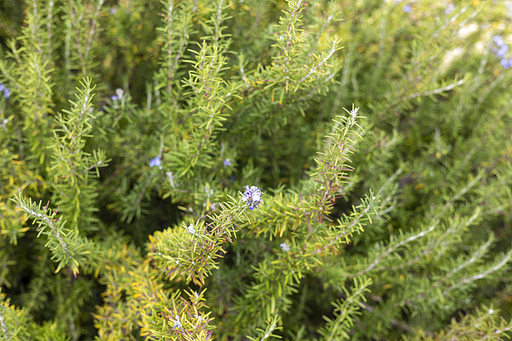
[252, 196]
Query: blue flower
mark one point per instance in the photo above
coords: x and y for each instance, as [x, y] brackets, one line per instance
[252, 196]
[502, 52]
[119, 92]
[227, 162]
[407, 9]
[190, 229]
[114, 98]
[449, 9]
[498, 40]
[7, 92]
[2, 86]
[285, 247]
[177, 323]
[506, 63]
[113, 10]
[155, 162]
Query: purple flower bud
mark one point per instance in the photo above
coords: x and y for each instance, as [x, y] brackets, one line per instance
[505, 63]
[227, 162]
[7, 92]
[407, 9]
[155, 162]
[252, 197]
[114, 98]
[2, 87]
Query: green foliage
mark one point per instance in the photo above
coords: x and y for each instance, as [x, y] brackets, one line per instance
[132, 133]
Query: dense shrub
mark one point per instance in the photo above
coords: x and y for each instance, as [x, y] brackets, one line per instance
[255, 169]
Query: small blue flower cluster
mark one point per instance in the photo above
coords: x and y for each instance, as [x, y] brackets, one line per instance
[177, 323]
[449, 9]
[407, 9]
[6, 90]
[119, 94]
[252, 196]
[155, 162]
[190, 229]
[501, 52]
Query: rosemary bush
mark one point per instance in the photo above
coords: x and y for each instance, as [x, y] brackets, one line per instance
[255, 169]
